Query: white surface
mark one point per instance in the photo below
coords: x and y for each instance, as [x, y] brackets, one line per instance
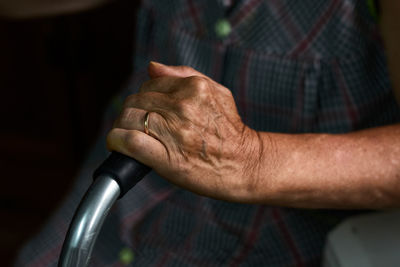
[371, 240]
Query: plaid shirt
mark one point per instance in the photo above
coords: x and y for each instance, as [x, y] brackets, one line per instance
[293, 66]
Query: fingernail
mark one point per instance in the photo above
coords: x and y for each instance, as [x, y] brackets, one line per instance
[156, 63]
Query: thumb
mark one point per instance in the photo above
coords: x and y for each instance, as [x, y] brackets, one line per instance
[156, 70]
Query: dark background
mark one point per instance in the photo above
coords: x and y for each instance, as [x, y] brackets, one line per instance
[57, 75]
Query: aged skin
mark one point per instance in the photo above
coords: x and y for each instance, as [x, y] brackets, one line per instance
[197, 141]
[197, 137]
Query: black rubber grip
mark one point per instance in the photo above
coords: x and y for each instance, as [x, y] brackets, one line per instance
[126, 171]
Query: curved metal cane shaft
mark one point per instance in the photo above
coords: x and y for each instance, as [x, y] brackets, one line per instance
[87, 222]
[113, 178]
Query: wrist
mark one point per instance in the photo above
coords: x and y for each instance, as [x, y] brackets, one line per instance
[265, 184]
[257, 162]
[269, 162]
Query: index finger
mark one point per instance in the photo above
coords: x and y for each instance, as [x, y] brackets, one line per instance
[161, 84]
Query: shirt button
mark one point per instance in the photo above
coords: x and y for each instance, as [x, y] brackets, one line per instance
[126, 256]
[226, 3]
[222, 28]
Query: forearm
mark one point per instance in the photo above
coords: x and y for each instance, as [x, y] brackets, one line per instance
[355, 170]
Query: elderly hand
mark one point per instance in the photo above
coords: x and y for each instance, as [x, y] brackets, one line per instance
[196, 138]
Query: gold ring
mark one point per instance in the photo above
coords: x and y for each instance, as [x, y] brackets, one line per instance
[146, 123]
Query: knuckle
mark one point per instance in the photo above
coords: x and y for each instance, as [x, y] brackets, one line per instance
[196, 81]
[110, 139]
[185, 69]
[201, 86]
[132, 140]
[198, 85]
[138, 100]
[185, 136]
[184, 106]
[127, 114]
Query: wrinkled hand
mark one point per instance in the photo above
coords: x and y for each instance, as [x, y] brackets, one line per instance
[196, 138]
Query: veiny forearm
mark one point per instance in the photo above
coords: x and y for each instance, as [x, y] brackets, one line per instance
[354, 170]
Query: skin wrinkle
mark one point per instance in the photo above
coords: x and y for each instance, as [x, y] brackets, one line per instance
[180, 148]
[212, 106]
[219, 136]
[164, 129]
[204, 151]
[253, 165]
[260, 156]
[224, 159]
[244, 151]
[215, 154]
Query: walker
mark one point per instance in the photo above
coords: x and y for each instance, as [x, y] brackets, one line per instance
[115, 176]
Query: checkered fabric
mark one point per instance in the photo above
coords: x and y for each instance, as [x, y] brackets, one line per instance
[293, 66]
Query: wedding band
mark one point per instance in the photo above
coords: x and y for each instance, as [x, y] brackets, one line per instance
[146, 123]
